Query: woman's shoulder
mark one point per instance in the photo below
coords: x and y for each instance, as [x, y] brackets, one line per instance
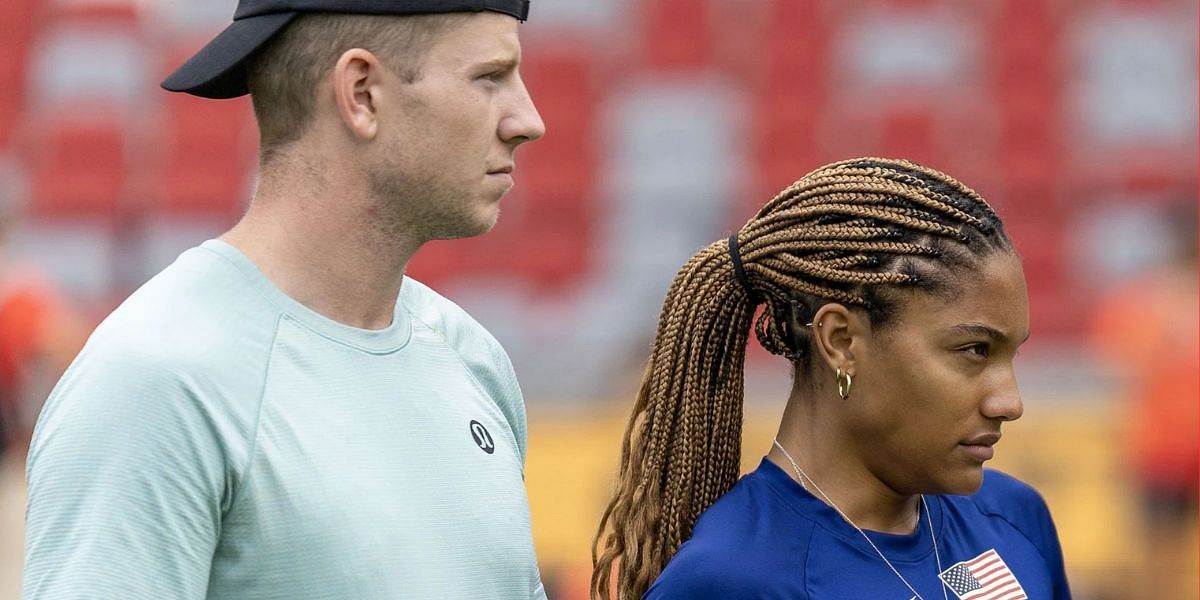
[1003, 494]
[1010, 515]
[718, 566]
[749, 543]
[1011, 500]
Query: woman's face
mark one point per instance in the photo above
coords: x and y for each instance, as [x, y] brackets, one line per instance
[933, 386]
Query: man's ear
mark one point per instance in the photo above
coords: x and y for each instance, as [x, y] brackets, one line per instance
[357, 91]
[839, 333]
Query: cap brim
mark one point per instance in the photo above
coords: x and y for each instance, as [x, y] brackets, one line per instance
[219, 69]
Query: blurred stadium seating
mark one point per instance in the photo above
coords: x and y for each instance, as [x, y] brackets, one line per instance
[669, 123]
[1025, 100]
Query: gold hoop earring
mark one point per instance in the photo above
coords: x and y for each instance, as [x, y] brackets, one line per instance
[844, 382]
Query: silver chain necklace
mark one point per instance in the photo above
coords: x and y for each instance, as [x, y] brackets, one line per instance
[802, 476]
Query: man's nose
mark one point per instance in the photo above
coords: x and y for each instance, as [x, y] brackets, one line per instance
[523, 123]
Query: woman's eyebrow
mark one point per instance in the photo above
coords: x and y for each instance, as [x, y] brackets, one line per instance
[988, 331]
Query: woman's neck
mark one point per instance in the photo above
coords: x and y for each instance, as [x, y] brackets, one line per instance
[833, 473]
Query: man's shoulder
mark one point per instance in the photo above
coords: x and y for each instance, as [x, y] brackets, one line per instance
[180, 348]
[477, 350]
[440, 314]
[448, 322]
[197, 311]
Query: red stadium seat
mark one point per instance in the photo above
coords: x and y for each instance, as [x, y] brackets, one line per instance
[797, 31]
[19, 13]
[550, 258]
[1030, 154]
[556, 176]
[78, 168]
[207, 149]
[908, 134]
[1023, 49]
[17, 17]
[544, 253]
[209, 153]
[545, 174]
[562, 81]
[789, 102]
[560, 71]
[910, 4]
[437, 263]
[1148, 170]
[1038, 230]
[10, 109]
[1025, 72]
[107, 12]
[676, 35]
[779, 164]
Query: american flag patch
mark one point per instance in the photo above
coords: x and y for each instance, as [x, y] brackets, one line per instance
[984, 577]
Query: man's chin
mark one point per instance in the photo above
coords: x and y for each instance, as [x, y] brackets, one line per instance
[469, 228]
[485, 222]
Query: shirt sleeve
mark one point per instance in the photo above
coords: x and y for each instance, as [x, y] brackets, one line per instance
[539, 590]
[1044, 535]
[1052, 551]
[1025, 509]
[480, 352]
[708, 571]
[127, 481]
[509, 397]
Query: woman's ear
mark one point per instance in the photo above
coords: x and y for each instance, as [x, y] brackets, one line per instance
[839, 333]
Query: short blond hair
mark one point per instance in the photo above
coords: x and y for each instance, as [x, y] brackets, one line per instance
[283, 75]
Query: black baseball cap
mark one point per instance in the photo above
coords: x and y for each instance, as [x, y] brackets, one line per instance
[219, 69]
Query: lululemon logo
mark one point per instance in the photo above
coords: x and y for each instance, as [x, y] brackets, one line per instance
[483, 439]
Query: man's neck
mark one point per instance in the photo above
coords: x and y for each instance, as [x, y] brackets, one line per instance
[324, 251]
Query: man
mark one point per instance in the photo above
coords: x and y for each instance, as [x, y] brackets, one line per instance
[280, 414]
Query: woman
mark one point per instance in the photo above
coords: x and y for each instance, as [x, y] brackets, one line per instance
[900, 302]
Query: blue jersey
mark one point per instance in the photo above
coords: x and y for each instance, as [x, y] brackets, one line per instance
[769, 538]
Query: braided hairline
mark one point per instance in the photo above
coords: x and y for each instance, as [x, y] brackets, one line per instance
[819, 270]
[868, 191]
[898, 170]
[976, 201]
[782, 284]
[849, 206]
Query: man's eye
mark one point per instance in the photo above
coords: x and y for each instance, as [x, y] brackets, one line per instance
[976, 349]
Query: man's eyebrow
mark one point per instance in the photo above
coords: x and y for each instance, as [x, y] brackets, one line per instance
[987, 331]
[505, 63]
